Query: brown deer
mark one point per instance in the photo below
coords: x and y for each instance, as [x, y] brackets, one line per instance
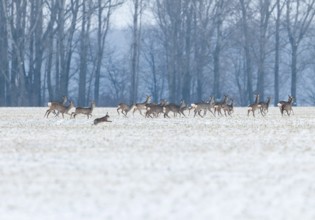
[183, 107]
[287, 107]
[228, 108]
[176, 109]
[264, 106]
[141, 106]
[56, 106]
[124, 108]
[155, 109]
[171, 107]
[84, 110]
[102, 119]
[280, 103]
[64, 101]
[254, 106]
[220, 105]
[202, 106]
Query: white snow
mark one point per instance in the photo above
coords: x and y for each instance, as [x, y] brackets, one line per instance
[135, 168]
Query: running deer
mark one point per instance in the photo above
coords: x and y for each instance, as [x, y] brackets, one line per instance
[84, 110]
[171, 108]
[64, 101]
[264, 106]
[56, 106]
[254, 106]
[155, 109]
[141, 106]
[203, 106]
[124, 108]
[102, 119]
[229, 108]
[287, 106]
[183, 107]
[220, 105]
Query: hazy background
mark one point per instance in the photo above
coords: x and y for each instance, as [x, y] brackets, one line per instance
[116, 51]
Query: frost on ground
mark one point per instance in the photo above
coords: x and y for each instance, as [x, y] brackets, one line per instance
[135, 168]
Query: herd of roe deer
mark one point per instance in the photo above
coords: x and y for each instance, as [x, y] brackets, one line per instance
[154, 110]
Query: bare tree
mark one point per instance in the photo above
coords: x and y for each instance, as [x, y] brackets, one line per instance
[299, 16]
[246, 40]
[104, 11]
[138, 7]
[277, 51]
[265, 9]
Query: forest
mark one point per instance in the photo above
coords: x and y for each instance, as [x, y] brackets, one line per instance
[190, 50]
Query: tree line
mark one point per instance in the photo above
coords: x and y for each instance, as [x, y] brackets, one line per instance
[190, 49]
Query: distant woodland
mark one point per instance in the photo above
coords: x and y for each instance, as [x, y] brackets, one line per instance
[191, 50]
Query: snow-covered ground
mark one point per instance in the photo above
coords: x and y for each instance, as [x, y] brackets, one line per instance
[135, 168]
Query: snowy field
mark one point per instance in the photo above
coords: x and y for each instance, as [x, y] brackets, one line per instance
[135, 168]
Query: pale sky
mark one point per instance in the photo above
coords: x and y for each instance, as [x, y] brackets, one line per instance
[122, 17]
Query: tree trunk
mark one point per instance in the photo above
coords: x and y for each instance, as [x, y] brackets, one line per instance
[294, 71]
[85, 28]
[277, 54]
[248, 68]
[4, 60]
[134, 52]
[217, 50]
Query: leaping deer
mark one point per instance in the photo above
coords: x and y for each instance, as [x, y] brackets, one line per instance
[124, 108]
[64, 101]
[56, 106]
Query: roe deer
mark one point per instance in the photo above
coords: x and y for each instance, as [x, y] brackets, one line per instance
[155, 109]
[64, 101]
[264, 106]
[254, 106]
[124, 108]
[203, 106]
[287, 106]
[141, 106]
[102, 119]
[84, 110]
[176, 109]
[228, 108]
[280, 103]
[220, 105]
[183, 107]
[55, 106]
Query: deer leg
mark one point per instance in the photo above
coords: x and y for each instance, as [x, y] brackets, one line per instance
[195, 111]
[204, 112]
[211, 111]
[182, 112]
[46, 114]
[199, 113]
